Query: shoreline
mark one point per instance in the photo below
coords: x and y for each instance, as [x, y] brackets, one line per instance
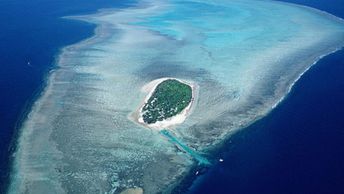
[225, 137]
[296, 80]
[191, 180]
[179, 118]
[222, 150]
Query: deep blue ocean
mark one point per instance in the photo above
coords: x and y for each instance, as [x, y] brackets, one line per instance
[31, 34]
[297, 148]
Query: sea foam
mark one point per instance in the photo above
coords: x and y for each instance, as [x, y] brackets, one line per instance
[243, 55]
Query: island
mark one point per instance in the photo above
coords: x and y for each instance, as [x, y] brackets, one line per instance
[169, 98]
[168, 102]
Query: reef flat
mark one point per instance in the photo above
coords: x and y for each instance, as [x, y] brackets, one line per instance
[243, 55]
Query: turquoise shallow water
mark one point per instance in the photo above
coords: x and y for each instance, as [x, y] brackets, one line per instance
[243, 55]
[197, 156]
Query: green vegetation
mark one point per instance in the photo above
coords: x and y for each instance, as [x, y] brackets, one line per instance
[169, 98]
